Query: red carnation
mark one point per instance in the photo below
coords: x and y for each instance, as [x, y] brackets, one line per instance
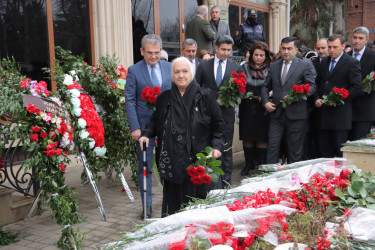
[196, 179]
[62, 166]
[241, 89]
[307, 88]
[243, 75]
[74, 86]
[31, 108]
[234, 74]
[152, 99]
[49, 152]
[35, 129]
[24, 83]
[300, 89]
[34, 137]
[336, 90]
[192, 171]
[156, 90]
[206, 179]
[344, 93]
[344, 174]
[201, 170]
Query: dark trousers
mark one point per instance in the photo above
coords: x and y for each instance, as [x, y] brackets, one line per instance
[330, 142]
[359, 130]
[149, 156]
[227, 156]
[295, 134]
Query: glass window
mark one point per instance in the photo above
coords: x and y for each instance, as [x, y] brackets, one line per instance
[233, 24]
[23, 29]
[143, 24]
[170, 27]
[71, 23]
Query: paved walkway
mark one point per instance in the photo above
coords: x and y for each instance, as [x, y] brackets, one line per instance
[40, 232]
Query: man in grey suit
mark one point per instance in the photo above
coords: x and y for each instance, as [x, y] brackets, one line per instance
[282, 76]
[149, 72]
[219, 26]
[200, 30]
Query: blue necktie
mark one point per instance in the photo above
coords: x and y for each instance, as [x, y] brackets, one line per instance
[332, 66]
[356, 55]
[154, 78]
[219, 74]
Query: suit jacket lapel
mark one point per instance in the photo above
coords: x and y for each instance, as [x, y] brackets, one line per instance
[211, 73]
[279, 65]
[146, 75]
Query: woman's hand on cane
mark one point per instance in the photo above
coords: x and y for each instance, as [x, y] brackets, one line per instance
[141, 140]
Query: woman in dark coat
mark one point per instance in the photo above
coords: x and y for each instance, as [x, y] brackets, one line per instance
[254, 124]
[187, 119]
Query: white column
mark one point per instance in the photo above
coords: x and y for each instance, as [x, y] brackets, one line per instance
[278, 9]
[113, 30]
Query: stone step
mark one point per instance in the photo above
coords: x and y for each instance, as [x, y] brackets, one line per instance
[13, 207]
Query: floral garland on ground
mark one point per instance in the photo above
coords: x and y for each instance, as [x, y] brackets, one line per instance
[106, 83]
[48, 138]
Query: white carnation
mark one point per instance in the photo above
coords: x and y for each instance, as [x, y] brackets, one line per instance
[68, 80]
[73, 74]
[91, 143]
[82, 123]
[77, 112]
[74, 93]
[83, 134]
[100, 151]
[75, 102]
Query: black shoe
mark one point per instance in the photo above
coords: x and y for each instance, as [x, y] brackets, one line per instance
[148, 213]
[250, 157]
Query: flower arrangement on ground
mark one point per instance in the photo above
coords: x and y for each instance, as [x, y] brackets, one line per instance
[296, 93]
[368, 83]
[206, 169]
[336, 96]
[230, 92]
[302, 205]
[149, 95]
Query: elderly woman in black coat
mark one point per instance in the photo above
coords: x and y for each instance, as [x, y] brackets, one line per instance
[187, 119]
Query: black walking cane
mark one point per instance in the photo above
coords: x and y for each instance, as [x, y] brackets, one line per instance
[144, 181]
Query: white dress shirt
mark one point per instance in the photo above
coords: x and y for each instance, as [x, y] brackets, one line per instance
[157, 72]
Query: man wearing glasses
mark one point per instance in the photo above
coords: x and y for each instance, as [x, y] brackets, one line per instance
[149, 72]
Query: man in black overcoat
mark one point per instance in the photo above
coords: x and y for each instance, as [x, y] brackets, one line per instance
[341, 71]
[207, 76]
[364, 104]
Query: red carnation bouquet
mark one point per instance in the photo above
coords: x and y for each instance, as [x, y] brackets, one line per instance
[206, 169]
[229, 94]
[149, 95]
[336, 96]
[368, 83]
[295, 93]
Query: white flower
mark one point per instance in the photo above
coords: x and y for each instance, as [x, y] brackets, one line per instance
[100, 151]
[91, 143]
[83, 134]
[77, 112]
[82, 123]
[53, 120]
[68, 80]
[57, 100]
[76, 102]
[74, 74]
[74, 93]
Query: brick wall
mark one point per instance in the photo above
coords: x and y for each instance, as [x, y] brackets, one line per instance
[360, 13]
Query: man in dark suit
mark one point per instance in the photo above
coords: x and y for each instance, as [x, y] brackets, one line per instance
[282, 76]
[212, 74]
[342, 71]
[219, 26]
[200, 30]
[189, 50]
[364, 104]
[149, 72]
